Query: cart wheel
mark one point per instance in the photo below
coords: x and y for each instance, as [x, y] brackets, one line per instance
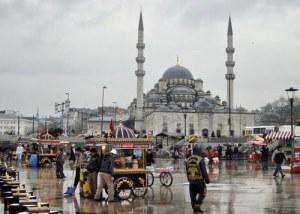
[124, 188]
[166, 179]
[150, 179]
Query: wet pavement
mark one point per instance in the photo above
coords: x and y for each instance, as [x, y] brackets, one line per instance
[236, 187]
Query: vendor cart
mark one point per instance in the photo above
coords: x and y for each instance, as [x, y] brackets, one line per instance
[164, 174]
[44, 150]
[47, 151]
[129, 172]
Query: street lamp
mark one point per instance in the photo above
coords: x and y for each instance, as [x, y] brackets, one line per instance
[291, 96]
[67, 106]
[184, 115]
[102, 110]
[115, 112]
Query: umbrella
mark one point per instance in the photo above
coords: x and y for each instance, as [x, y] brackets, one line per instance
[258, 143]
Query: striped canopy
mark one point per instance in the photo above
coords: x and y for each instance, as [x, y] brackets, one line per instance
[284, 135]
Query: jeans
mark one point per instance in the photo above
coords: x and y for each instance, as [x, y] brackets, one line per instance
[278, 169]
[19, 158]
[197, 194]
[60, 170]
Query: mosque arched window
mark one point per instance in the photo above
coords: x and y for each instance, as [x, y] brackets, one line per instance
[191, 129]
[178, 128]
[205, 132]
[165, 127]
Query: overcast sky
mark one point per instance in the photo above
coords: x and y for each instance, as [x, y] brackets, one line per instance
[48, 48]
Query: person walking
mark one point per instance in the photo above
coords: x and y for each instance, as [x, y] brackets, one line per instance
[220, 150]
[149, 158]
[72, 157]
[197, 177]
[60, 164]
[77, 165]
[235, 152]
[264, 154]
[106, 172]
[93, 168]
[278, 157]
[19, 153]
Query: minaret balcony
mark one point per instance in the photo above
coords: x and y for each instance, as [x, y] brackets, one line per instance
[140, 73]
[230, 76]
[140, 45]
[229, 63]
[140, 59]
[229, 50]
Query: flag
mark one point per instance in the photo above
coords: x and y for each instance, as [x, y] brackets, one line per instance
[111, 126]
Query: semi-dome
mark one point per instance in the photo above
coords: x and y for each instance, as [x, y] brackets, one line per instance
[178, 72]
[153, 98]
[181, 90]
[122, 131]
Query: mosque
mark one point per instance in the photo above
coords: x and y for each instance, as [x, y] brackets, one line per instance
[179, 104]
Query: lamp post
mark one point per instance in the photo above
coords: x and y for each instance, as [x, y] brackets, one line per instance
[33, 124]
[115, 112]
[184, 115]
[67, 107]
[102, 109]
[18, 124]
[291, 96]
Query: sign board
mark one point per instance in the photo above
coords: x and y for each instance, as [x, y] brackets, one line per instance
[131, 146]
[297, 130]
[297, 141]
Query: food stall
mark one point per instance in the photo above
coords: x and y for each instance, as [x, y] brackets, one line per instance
[129, 172]
[43, 151]
[253, 151]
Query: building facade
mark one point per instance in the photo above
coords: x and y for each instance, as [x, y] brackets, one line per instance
[179, 103]
[13, 124]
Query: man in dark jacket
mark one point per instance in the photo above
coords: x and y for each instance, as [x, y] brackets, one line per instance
[60, 164]
[198, 178]
[149, 158]
[72, 157]
[93, 167]
[278, 157]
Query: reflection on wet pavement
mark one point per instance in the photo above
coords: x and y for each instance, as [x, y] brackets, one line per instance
[236, 187]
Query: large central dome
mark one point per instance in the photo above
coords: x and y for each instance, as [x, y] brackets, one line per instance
[178, 72]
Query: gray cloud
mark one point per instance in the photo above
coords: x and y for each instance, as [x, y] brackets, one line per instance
[50, 47]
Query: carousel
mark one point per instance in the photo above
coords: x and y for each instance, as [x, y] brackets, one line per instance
[129, 171]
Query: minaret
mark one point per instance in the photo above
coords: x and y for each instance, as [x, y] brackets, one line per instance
[229, 64]
[140, 73]
[230, 75]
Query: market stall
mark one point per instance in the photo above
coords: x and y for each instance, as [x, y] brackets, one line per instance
[129, 172]
[253, 151]
[43, 151]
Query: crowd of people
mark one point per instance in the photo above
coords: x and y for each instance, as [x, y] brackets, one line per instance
[92, 167]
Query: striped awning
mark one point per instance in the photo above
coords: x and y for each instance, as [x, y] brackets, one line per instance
[285, 135]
